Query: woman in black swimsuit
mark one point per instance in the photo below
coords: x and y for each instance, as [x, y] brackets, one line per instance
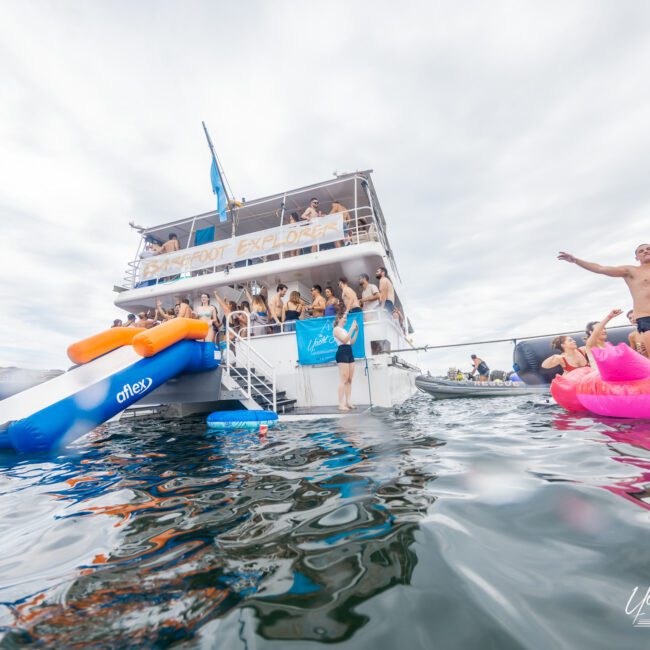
[345, 359]
[291, 311]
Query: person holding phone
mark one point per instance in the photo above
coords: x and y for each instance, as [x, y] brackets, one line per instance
[345, 358]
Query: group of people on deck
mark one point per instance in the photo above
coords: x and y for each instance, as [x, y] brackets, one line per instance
[266, 315]
[637, 277]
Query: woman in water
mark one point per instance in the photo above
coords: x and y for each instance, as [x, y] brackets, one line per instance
[208, 313]
[331, 302]
[291, 311]
[597, 334]
[633, 337]
[569, 356]
[345, 359]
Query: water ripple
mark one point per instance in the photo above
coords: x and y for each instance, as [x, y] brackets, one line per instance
[498, 523]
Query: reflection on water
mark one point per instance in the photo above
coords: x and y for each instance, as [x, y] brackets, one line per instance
[147, 531]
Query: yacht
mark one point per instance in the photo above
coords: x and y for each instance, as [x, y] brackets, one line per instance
[259, 246]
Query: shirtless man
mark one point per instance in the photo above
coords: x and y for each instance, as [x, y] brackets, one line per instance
[386, 290]
[185, 311]
[637, 279]
[276, 304]
[170, 246]
[312, 211]
[144, 320]
[317, 308]
[349, 297]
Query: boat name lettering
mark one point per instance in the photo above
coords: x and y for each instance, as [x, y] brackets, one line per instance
[266, 242]
[131, 390]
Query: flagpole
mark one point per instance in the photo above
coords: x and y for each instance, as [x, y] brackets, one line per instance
[216, 162]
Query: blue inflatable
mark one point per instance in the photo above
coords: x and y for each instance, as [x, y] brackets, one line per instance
[230, 420]
[77, 414]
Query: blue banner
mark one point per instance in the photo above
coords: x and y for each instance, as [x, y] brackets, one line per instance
[316, 342]
[217, 188]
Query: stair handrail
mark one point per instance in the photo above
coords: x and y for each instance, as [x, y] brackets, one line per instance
[245, 342]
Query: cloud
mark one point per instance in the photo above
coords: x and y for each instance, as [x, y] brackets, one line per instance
[503, 132]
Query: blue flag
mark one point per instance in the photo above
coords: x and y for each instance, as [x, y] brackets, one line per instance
[217, 188]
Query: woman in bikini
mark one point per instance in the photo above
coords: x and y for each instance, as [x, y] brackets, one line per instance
[569, 356]
[292, 311]
[345, 358]
[208, 313]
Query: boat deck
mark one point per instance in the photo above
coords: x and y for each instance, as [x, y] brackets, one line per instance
[304, 414]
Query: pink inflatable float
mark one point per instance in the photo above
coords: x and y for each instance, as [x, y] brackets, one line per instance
[620, 387]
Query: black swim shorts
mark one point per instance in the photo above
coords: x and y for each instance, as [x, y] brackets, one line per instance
[344, 354]
[643, 324]
[389, 306]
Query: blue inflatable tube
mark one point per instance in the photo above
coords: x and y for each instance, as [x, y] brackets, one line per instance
[81, 412]
[230, 420]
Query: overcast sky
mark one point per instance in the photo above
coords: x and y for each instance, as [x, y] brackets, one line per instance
[499, 133]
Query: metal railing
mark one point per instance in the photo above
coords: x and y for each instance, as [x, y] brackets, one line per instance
[370, 317]
[360, 228]
[244, 353]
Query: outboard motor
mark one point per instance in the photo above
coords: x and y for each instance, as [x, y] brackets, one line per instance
[529, 354]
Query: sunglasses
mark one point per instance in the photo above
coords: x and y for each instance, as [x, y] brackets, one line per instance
[314, 202]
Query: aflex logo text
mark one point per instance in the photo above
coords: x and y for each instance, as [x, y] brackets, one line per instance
[130, 390]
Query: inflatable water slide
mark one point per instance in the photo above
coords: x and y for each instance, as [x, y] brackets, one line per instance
[115, 369]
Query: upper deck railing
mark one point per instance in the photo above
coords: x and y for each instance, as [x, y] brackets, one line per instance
[349, 228]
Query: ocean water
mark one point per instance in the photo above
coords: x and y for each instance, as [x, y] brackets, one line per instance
[502, 523]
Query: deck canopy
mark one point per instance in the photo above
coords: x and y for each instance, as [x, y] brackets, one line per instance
[354, 191]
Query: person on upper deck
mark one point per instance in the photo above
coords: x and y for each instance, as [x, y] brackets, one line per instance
[331, 302]
[386, 290]
[349, 297]
[170, 246]
[312, 211]
[291, 311]
[637, 279]
[370, 296]
[634, 337]
[569, 356]
[294, 218]
[347, 220]
[276, 305]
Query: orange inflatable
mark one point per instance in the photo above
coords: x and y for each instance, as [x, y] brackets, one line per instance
[152, 341]
[107, 341]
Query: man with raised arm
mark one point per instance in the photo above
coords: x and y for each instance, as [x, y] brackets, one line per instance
[637, 279]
